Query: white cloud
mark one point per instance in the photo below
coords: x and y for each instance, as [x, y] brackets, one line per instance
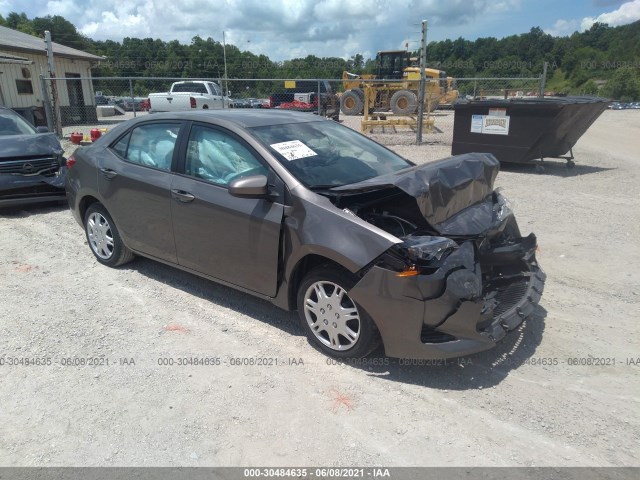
[281, 30]
[563, 28]
[111, 26]
[63, 8]
[294, 28]
[627, 13]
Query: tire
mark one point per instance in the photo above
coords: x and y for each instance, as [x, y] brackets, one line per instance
[103, 237]
[351, 103]
[205, 107]
[340, 328]
[360, 92]
[404, 102]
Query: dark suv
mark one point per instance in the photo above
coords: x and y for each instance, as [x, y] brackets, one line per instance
[32, 165]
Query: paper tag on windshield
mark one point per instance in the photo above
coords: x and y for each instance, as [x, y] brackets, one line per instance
[293, 150]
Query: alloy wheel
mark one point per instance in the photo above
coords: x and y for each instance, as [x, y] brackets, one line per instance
[331, 315]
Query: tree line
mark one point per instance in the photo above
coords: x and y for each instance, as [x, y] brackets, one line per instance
[602, 60]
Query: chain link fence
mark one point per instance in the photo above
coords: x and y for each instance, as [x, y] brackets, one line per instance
[87, 103]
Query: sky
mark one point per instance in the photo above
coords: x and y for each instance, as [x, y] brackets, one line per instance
[288, 29]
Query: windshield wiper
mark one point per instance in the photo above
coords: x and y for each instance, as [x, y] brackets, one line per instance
[328, 186]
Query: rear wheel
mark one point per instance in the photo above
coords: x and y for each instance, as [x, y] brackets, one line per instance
[404, 102]
[351, 103]
[104, 238]
[333, 321]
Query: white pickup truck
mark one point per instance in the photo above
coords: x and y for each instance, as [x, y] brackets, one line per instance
[192, 94]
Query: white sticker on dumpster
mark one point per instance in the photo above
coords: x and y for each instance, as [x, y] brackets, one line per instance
[293, 150]
[476, 123]
[497, 111]
[495, 125]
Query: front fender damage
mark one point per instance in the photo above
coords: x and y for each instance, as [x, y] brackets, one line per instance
[464, 307]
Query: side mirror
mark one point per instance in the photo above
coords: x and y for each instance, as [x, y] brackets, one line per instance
[42, 130]
[255, 186]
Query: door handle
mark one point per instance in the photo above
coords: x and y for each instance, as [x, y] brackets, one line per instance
[108, 173]
[182, 196]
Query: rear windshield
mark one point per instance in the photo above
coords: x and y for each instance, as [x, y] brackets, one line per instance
[190, 87]
[325, 154]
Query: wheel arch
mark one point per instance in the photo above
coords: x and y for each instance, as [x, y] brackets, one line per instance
[85, 203]
[305, 265]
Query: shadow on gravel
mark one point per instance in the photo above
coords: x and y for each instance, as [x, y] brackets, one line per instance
[35, 209]
[218, 294]
[482, 370]
[553, 168]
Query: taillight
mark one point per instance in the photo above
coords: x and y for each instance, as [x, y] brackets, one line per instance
[315, 100]
[271, 105]
[192, 101]
[71, 161]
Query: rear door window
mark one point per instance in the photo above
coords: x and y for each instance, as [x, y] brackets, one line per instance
[150, 145]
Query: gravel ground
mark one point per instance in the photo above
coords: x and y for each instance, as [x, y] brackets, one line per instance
[521, 404]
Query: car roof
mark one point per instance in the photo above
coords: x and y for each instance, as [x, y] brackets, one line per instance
[229, 118]
[241, 118]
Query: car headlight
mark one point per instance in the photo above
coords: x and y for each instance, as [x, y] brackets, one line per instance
[427, 249]
[502, 207]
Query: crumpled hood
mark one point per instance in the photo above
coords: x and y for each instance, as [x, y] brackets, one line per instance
[442, 189]
[12, 146]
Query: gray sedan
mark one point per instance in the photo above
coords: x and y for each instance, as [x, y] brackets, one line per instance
[317, 218]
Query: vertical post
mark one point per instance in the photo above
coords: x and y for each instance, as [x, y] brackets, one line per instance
[57, 124]
[133, 102]
[543, 79]
[224, 54]
[47, 104]
[364, 125]
[319, 100]
[423, 64]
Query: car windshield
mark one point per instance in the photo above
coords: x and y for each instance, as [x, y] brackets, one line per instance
[13, 124]
[325, 154]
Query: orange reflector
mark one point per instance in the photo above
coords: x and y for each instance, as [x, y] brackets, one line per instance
[408, 272]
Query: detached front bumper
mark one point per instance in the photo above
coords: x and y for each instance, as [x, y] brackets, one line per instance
[457, 310]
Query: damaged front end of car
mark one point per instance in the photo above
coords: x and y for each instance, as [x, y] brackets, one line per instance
[462, 276]
[32, 170]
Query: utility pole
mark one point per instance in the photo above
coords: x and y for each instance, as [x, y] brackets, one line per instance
[423, 81]
[224, 53]
[543, 80]
[54, 88]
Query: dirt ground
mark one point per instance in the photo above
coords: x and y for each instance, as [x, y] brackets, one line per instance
[561, 391]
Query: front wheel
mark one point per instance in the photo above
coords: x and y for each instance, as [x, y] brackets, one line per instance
[404, 102]
[351, 103]
[334, 323]
[104, 238]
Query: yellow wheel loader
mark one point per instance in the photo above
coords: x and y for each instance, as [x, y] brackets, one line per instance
[397, 81]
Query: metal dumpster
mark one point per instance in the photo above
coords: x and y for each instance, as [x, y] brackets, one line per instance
[524, 129]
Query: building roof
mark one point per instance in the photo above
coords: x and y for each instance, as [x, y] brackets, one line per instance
[12, 40]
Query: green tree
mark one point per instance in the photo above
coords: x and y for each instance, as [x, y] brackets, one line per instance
[623, 85]
[20, 22]
[62, 31]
